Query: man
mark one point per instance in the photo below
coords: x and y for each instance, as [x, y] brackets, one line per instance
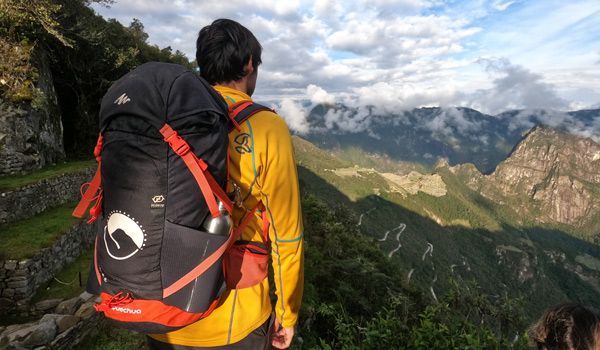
[262, 165]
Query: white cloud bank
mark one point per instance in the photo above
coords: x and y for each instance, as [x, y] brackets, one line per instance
[294, 114]
[514, 87]
[400, 54]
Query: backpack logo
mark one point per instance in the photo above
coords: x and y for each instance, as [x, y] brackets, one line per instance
[126, 234]
[158, 201]
[123, 99]
[127, 310]
[242, 143]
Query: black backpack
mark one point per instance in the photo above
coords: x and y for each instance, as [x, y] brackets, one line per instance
[162, 167]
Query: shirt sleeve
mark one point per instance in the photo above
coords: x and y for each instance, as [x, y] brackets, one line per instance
[281, 198]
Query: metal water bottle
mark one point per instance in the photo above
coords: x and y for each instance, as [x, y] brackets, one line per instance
[219, 225]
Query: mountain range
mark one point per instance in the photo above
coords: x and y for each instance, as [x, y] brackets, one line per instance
[519, 214]
[424, 135]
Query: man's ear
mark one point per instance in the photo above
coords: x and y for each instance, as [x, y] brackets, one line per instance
[249, 67]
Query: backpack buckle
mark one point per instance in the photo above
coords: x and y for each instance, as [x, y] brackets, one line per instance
[179, 145]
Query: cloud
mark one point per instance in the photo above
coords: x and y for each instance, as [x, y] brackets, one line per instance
[391, 41]
[502, 6]
[394, 98]
[528, 118]
[451, 122]
[336, 45]
[352, 114]
[340, 118]
[456, 118]
[400, 54]
[514, 87]
[294, 115]
[318, 95]
[348, 120]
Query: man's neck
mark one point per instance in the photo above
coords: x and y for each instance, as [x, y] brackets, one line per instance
[239, 85]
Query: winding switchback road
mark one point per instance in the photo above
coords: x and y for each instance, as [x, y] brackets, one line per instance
[431, 288]
[428, 250]
[362, 215]
[401, 229]
[409, 276]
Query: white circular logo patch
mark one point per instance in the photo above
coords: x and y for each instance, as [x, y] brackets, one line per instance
[126, 233]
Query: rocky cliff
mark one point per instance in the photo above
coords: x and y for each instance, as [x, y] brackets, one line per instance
[550, 177]
[31, 134]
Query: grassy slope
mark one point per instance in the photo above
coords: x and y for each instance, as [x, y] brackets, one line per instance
[22, 239]
[489, 226]
[12, 182]
[66, 283]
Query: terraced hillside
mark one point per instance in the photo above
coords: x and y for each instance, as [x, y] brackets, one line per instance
[434, 226]
[44, 260]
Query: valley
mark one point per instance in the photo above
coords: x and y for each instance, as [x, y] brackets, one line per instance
[470, 219]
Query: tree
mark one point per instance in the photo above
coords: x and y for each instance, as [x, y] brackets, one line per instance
[20, 19]
[136, 28]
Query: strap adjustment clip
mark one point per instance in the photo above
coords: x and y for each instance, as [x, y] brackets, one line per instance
[179, 145]
[98, 148]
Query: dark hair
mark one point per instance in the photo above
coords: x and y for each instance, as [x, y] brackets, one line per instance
[567, 326]
[223, 49]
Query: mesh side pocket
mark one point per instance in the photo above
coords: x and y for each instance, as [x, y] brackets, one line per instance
[183, 249]
[246, 264]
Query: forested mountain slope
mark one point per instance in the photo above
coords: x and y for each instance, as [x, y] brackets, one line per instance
[435, 227]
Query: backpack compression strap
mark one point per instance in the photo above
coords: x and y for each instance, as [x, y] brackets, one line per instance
[239, 112]
[93, 190]
[199, 169]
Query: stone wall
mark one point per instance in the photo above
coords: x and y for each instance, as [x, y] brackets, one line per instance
[35, 198]
[66, 325]
[31, 134]
[19, 280]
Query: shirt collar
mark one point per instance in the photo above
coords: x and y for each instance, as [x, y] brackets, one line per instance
[232, 95]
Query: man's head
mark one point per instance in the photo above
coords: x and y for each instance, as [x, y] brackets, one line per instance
[228, 52]
[567, 326]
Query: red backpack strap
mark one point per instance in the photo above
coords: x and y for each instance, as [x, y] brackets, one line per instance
[93, 190]
[240, 111]
[199, 169]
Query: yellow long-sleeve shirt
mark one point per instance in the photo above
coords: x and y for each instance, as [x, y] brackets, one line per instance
[262, 164]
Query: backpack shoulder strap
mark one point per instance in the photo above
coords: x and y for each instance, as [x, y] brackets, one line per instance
[240, 112]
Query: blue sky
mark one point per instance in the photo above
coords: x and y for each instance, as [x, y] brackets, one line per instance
[399, 54]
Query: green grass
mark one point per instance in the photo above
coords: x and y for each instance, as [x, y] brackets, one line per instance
[111, 338]
[15, 181]
[70, 276]
[22, 239]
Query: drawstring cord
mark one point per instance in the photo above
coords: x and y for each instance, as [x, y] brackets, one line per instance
[116, 300]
